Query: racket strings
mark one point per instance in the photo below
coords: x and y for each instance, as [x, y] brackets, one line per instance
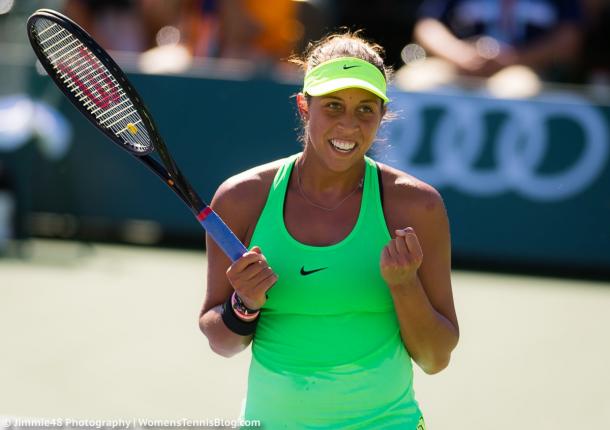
[90, 82]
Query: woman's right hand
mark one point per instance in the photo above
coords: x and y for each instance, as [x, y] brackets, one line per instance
[251, 277]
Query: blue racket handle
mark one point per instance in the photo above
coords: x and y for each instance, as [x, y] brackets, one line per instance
[222, 235]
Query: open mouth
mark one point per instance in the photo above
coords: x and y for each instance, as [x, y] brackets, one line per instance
[342, 145]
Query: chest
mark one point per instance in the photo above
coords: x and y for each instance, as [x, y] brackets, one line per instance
[314, 226]
[326, 265]
[332, 280]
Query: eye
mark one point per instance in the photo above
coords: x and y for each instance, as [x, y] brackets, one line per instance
[366, 109]
[334, 105]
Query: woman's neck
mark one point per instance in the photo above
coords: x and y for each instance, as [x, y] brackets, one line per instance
[317, 179]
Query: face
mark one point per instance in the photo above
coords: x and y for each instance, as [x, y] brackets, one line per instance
[341, 126]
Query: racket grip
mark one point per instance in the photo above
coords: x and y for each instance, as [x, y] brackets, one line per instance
[222, 235]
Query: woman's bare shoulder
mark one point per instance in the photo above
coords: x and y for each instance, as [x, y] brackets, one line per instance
[249, 185]
[240, 199]
[408, 195]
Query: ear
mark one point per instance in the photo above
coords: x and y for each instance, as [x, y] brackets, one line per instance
[302, 106]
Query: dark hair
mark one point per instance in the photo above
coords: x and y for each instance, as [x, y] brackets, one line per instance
[336, 45]
[345, 44]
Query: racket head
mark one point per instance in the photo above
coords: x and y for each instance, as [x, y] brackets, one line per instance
[92, 81]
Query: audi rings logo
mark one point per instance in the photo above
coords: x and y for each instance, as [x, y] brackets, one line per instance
[520, 144]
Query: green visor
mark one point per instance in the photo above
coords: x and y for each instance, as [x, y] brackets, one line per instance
[345, 72]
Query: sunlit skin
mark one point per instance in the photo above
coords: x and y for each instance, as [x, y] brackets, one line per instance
[350, 115]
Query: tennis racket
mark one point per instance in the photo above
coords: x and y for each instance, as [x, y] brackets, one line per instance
[99, 89]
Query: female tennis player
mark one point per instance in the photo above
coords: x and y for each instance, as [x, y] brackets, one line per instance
[348, 275]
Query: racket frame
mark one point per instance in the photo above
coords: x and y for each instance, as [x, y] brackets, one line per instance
[169, 172]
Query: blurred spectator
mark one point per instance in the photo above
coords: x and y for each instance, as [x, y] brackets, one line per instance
[171, 33]
[508, 40]
[114, 24]
[596, 53]
[481, 38]
[316, 18]
[259, 30]
[386, 22]
[179, 31]
[189, 23]
[168, 33]
[199, 24]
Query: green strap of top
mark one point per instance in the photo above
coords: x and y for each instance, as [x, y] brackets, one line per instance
[327, 352]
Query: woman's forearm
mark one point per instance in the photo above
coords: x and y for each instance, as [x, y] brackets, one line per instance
[427, 334]
[222, 340]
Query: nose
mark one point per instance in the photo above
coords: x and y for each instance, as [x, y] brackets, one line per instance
[348, 122]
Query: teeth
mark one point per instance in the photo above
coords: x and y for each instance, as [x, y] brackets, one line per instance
[343, 145]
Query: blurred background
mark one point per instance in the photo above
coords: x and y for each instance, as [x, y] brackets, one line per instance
[503, 106]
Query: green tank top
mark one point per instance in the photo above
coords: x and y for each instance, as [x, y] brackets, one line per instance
[327, 352]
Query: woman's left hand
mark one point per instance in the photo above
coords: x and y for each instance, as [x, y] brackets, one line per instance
[400, 259]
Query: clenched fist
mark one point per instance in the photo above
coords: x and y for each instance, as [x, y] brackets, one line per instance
[251, 277]
[401, 258]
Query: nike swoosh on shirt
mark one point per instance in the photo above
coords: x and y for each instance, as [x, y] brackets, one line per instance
[309, 272]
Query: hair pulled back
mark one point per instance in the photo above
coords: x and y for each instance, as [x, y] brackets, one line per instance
[344, 44]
